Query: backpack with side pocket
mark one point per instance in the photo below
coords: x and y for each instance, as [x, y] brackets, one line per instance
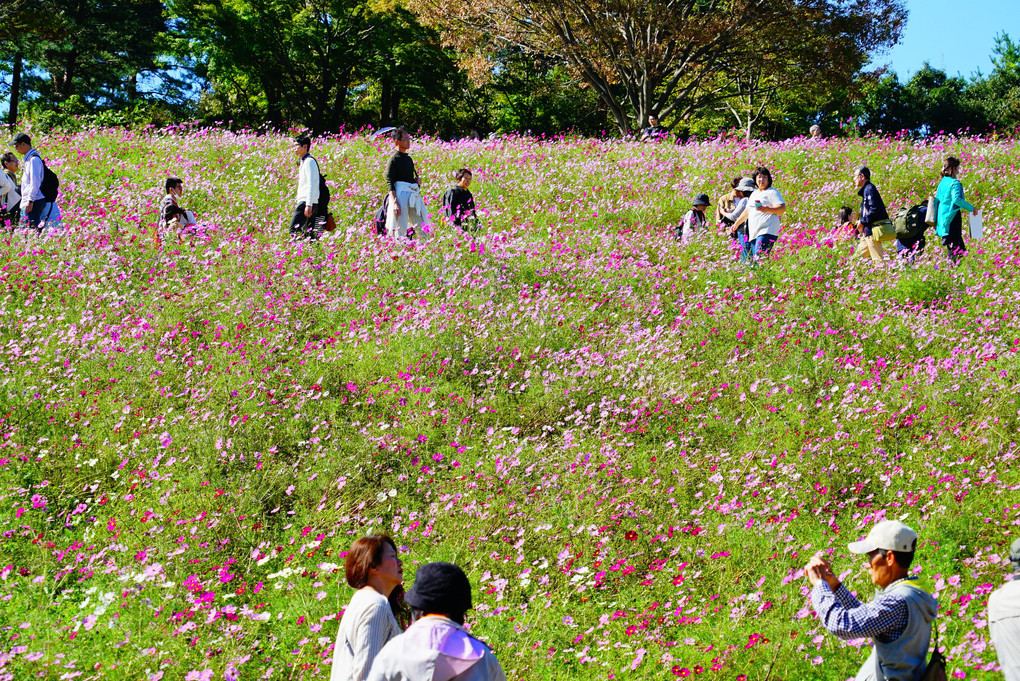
[909, 222]
[50, 184]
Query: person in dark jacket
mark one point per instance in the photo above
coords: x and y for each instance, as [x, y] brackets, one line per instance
[873, 213]
[459, 203]
[168, 209]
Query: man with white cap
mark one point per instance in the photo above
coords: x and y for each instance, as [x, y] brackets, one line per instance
[900, 617]
[1004, 619]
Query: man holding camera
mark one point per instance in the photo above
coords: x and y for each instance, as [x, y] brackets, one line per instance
[899, 619]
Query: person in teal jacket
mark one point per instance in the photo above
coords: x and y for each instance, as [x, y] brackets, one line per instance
[949, 196]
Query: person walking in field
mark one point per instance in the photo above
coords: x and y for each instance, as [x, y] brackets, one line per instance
[33, 201]
[738, 232]
[764, 209]
[10, 197]
[693, 219]
[312, 199]
[369, 621]
[874, 218]
[726, 203]
[406, 211]
[899, 619]
[437, 647]
[1004, 619]
[950, 201]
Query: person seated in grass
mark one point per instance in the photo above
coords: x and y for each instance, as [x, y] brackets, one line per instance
[459, 203]
[437, 646]
[900, 617]
[694, 218]
[171, 214]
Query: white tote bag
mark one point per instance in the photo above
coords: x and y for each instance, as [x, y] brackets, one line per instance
[976, 225]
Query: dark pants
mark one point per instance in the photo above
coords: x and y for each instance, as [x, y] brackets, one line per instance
[37, 214]
[10, 217]
[302, 227]
[762, 245]
[910, 248]
[955, 248]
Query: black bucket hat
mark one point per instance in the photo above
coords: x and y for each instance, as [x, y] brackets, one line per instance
[440, 588]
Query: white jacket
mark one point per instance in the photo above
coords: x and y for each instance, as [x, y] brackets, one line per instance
[308, 182]
[9, 194]
[437, 649]
[31, 179]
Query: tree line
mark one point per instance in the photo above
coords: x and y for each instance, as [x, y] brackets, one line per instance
[769, 68]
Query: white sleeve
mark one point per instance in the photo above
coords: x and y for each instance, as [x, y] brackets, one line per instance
[313, 182]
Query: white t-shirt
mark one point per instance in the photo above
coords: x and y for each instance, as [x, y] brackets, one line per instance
[758, 222]
[1004, 625]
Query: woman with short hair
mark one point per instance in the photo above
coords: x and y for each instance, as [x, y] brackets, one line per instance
[370, 619]
[949, 195]
[762, 214]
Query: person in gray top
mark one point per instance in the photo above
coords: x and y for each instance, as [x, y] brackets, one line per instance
[899, 619]
[436, 646]
[1004, 619]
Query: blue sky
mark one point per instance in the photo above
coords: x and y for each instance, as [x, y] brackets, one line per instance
[954, 35]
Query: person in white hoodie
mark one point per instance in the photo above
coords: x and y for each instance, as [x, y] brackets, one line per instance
[436, 647]
[899, 619]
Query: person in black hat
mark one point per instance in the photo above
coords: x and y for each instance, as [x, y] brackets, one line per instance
[1004, 619]
[436, 646]
[694, 218]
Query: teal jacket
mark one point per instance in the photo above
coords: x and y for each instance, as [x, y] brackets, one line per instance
[950, 200]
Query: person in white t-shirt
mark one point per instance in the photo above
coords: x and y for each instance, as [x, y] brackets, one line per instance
[762, 214]
[1004, 619]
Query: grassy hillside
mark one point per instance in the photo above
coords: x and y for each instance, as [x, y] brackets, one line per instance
[632, 445]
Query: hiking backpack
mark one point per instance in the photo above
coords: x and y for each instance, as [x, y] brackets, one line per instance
[909, 222]
[50, 184]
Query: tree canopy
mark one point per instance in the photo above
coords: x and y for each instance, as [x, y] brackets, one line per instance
[769, 68]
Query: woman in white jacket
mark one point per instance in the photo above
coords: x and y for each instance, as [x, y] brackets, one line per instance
[369, 621]
[10, 197]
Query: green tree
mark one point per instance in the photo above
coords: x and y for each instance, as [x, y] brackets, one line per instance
[997, 97]
[98, 50]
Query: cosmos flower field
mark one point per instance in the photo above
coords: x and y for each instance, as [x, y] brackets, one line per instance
[632, 445]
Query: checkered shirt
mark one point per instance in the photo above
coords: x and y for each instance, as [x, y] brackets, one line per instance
[883, 619]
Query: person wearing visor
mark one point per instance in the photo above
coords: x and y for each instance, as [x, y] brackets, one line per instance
[436, 646]
[1004, 619]
[899, 618]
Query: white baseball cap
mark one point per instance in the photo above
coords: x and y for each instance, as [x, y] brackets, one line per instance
[891, 535]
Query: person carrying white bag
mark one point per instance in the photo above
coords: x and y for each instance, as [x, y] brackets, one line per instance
[406, 209]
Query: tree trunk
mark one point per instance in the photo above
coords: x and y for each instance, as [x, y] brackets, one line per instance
[384, 102]
[12, 114]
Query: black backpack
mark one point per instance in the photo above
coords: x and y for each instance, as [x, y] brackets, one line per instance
[909, 222]
[323, 189]
[50, 184]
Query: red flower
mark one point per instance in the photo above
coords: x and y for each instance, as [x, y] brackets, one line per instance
[631, 535]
